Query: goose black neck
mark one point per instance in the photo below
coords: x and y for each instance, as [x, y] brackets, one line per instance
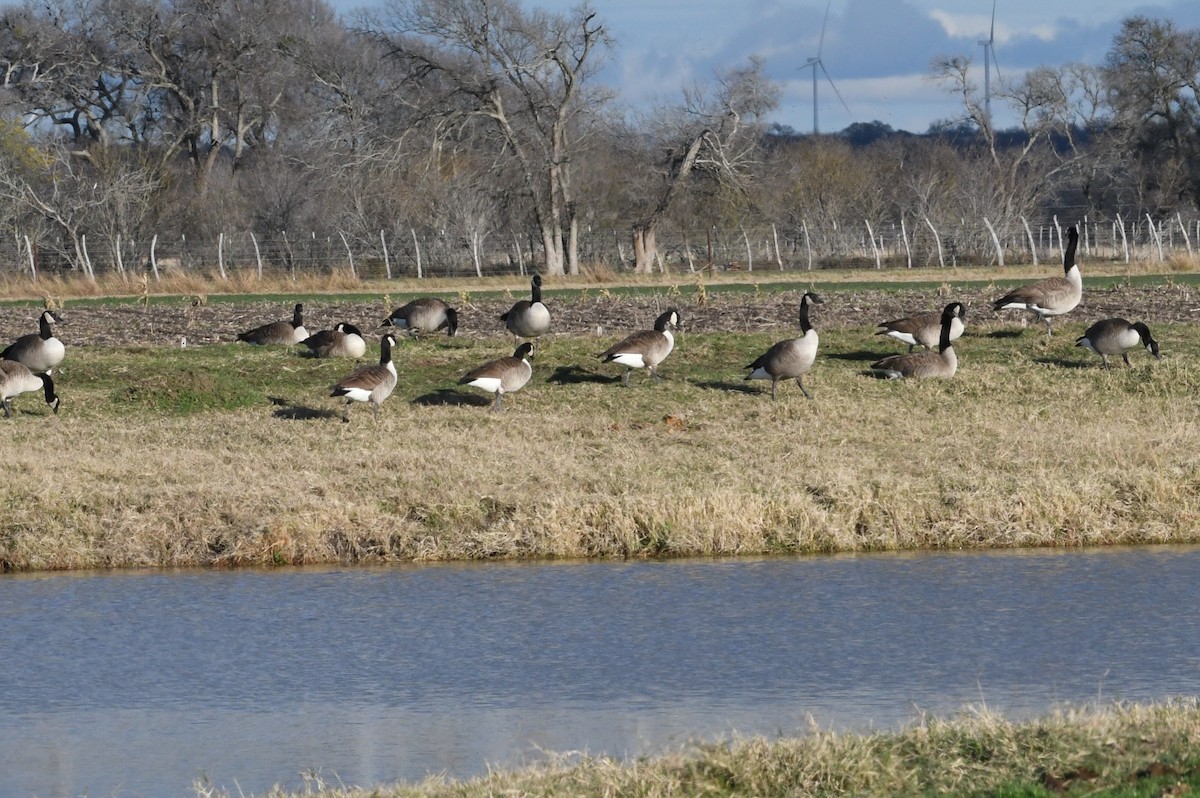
[297, 315]
[48, 388]
[536, 291]
[44, 330]
[805, 326]
[385, 351]
[944, 338]
[1069, 253]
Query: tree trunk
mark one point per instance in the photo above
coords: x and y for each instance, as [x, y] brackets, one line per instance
[645, 248]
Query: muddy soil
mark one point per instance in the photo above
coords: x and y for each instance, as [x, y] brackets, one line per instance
[595, 313]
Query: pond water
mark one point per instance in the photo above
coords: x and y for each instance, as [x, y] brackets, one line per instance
[147, 683]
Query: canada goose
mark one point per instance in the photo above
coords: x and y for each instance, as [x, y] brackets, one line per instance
[278, 332]
[790, 359]
[40, 352]
[424, 315]
[16, 379]
[1053, 296]
[369, 383]
[344, 340]
[1118, 337]
[942, 363]
[528, 318]
[923, 329]
[503, 375]
[646, 348]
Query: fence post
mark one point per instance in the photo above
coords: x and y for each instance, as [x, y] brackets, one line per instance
[807, 243]
[257, 254]
[874, 248]
[417, 247]
[1183, 229]
[387, 262]
[1029, 234]
[1156, 236]
[32, 266]
[996, 241]
[153, 260]
[349, 253]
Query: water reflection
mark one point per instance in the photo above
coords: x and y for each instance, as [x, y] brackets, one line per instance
[140, 683]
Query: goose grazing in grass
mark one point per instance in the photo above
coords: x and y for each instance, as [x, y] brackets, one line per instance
[286, 333]
[370, 383]
[40, 352]
[942, 363]
[923, 329]
[503, 375]
[16, 379]
[344, 340]
[790, 359]
[1118, 337]
[528, 318]
[1053, 296]
[644, 349]
[424, 316]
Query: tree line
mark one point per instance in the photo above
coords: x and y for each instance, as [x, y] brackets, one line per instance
[474, 133]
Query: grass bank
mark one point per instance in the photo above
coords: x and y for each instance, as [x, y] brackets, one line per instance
[226, 455]
[1111, 752]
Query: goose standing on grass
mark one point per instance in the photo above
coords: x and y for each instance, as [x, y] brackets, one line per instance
[287, 333]
[1053, 296]
[344, 340]
[424, 315]
[369, 383]
[923, 329]
[528, 318]
[16, 379]
[40, 352]
[1118, 337]
[790, 359]
[942, 363]
[501, 376]
[644, 349]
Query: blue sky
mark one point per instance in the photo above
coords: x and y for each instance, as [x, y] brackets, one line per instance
[877, 51]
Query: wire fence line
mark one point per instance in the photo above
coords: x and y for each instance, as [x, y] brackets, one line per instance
[447, 253]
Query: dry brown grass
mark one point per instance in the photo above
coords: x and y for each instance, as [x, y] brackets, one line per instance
[1030, 445]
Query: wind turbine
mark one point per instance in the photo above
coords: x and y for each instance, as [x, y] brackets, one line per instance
[989, 58]
[817, 63]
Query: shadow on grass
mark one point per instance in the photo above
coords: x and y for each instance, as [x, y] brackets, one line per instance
[1068, 364]
[448, 397]
[289, 411]
[574, 375]
[862, 355]
[741, 386]
[1005, 334]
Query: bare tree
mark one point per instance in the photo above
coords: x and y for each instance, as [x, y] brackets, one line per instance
[527, 74]
[716, 130]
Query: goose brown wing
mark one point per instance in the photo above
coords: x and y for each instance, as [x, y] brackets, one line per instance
[642, 341]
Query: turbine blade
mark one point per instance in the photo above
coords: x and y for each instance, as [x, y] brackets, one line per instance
[835, 88]
[821, 42]
[992, 34]
[995, 63]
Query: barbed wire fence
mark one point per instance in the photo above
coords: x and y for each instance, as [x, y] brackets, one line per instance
[796, 246]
